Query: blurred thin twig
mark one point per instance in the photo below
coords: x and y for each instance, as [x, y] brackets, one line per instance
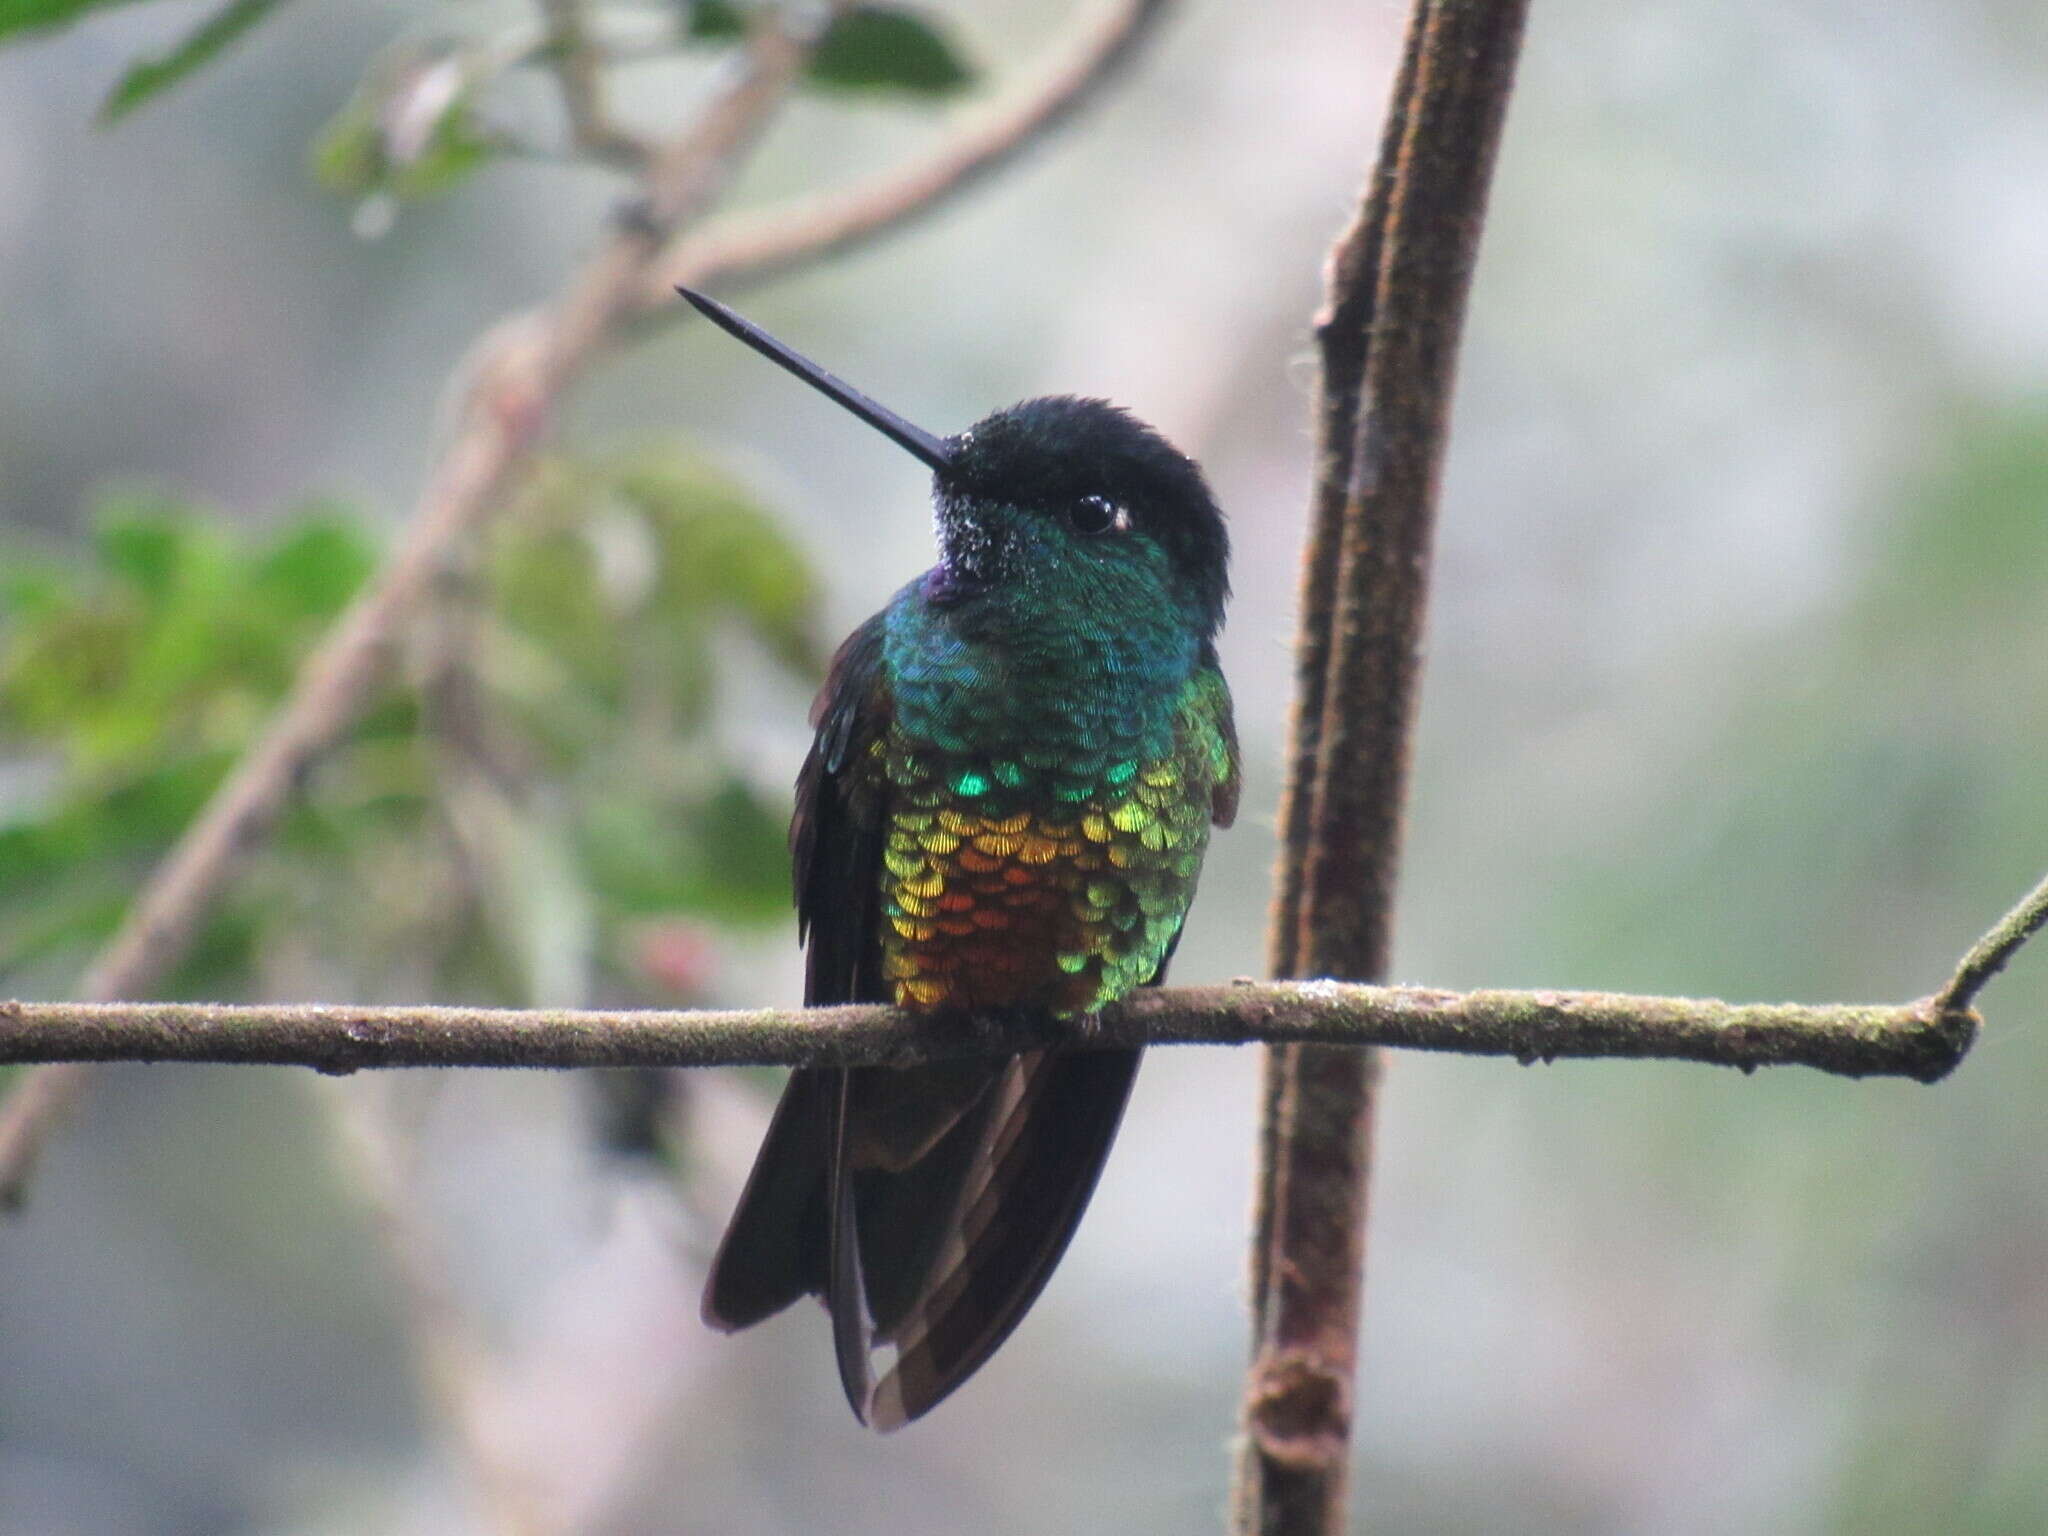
[1989, 955]
[755, 245]
[578, 64]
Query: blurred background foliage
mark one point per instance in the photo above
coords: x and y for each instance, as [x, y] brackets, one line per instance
[504, 825]
[1736, 686]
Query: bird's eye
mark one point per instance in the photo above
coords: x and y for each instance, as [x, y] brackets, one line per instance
[1093, 515]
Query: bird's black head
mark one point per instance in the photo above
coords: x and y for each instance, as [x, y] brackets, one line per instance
[1071, 501]
[1085, 482]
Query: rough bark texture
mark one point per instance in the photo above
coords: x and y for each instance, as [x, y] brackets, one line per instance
[1920, 1040]
[1388, 339]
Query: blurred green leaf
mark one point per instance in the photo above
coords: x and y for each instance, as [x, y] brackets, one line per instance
[870, 48]
[410, 133]
[132, 681]
[548, 587]
[746, 854]
[204, 43]
[144, 537]
[66, 928]
[723, 553]
[67, 875]
[223, 954]
[717, 20]
[316, 566]
[724, 855]
[636, 854]
[24, 15]
[179, 636]
[535, 902]
[886, 48]
[29, 590]
[128, 818]
[348, 154]
[457, 149]
[582, 797]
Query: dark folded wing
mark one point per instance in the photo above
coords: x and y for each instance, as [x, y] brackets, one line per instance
[836, 833]
[1042, 1138]
[777, 1245]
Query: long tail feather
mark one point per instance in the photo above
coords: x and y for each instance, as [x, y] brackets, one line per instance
[774, 1247]
[927, 1206]
[1045, 1159]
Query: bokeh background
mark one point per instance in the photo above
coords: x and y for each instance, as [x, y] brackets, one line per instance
[1737, 679]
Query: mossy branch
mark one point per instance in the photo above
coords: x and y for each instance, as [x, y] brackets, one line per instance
[1922, 1040]
[1988, 956]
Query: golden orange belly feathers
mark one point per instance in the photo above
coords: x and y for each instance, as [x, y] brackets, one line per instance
[994, 905]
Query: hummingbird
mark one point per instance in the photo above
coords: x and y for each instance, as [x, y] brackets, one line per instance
[1005, 807]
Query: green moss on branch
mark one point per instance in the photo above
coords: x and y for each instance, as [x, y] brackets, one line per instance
[1921, 1040]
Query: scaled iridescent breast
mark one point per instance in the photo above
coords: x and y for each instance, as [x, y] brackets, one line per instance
[1007, 881]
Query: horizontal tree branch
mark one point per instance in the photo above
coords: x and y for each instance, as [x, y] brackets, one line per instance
[1920, 1040]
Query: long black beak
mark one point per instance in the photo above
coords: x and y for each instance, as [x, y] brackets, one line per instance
[933, 450]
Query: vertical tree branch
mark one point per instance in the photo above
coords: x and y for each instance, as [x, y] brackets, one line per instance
[1398, 281]
[1343, 330]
